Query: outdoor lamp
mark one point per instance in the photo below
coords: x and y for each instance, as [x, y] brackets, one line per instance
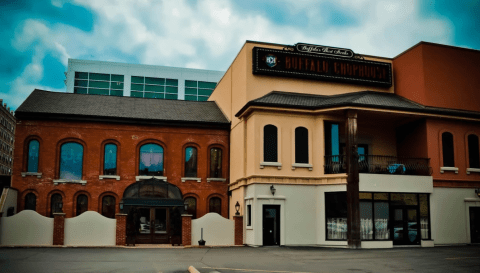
[477, 191]
[60, 205]
[121, 204]
[237, 207]
[273, 190]
[186, 205]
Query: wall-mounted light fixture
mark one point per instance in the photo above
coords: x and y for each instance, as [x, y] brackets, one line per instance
[477, 191]
[186, 206]
[120, 205]
[237, 208]
[272, 189]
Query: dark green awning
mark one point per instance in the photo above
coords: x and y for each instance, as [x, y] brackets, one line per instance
[153, 202]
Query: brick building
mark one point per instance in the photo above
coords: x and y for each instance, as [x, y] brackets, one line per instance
[77, 152]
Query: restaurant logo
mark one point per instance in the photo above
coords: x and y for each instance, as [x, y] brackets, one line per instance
[313, 65]
[324, 50]
[271, 60]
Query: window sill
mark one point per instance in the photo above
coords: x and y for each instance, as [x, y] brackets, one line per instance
[198, 179]
[272, 164]
[143, 177]
[473, 170]
[250, 227]
[101, 177]
[216, 179]
[450, 169]
[302, 165]
[69, 181]
[38, 175]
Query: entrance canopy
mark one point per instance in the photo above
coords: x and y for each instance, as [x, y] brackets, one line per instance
[153, 192]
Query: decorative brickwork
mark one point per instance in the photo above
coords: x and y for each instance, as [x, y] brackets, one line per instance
[121, 235]
[238, 230]
[186, 229]
[58, 228]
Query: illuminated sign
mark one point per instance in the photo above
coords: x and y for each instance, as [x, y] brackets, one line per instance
[318, 66]
[324, 50]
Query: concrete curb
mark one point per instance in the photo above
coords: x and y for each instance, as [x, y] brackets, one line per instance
[192, 269]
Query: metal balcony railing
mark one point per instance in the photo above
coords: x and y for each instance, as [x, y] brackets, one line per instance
[380, 164]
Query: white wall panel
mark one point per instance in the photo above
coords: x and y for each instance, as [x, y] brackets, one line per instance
[90, 229]
[26, 228]
[217, 230]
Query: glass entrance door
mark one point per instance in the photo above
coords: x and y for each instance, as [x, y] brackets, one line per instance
[271, 225]
[405, 225]
[153, 226]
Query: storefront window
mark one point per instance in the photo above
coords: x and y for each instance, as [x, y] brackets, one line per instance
[366, 221]
[381, 220]
[424, 217]
[336, 213]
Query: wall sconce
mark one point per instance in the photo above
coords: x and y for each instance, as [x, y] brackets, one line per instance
[477, 191]
[60, 205]
[186, 205]
[237, 208]
[272, 189]
[120, 205]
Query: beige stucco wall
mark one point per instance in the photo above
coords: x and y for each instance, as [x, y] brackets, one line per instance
[26, 228]
[90, 229]
[217, 231]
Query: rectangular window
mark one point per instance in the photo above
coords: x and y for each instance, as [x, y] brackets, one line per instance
[424, 216]
[98, 84]
[198, 90]
[249, 215]
[336, 214]
[154, 88]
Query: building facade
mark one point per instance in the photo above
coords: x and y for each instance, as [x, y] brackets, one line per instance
[306, 126]
[140, 81]
[144, 157]
[7, 128]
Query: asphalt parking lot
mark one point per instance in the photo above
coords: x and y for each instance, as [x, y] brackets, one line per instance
[241, 259]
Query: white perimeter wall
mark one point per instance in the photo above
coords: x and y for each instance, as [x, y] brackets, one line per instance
[90, 229]
[26, 228]
[217, 230]
[450, 214]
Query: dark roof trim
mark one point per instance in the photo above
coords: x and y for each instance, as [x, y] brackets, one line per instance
[420, 109]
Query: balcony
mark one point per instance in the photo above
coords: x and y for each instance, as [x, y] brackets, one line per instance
[380, 164]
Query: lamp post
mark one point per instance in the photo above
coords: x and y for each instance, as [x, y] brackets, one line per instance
[237, 208]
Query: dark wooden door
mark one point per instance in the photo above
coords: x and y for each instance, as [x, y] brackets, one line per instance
[154, 226]
[475, 224]
[271, 225]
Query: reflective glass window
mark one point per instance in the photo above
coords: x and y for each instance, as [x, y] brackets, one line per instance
[151, 160]
[301, 145]
[82, 204]
[191, 162]
[366, 221]
[110, 160]
[56, 204]
[191, 206]
[108, 206]
[473, 151]
[71, 161]
[216, 162]
[32, 163]
[447, 148]
[336, 213]
[215, 205]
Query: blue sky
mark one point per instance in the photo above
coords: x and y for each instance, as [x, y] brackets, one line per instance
[38, 37]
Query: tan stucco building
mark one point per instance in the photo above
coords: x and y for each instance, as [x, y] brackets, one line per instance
[288, 112]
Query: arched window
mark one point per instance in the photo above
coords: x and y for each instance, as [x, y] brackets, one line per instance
[192, 206]
[31, 201]
[301, 145]
[215, 205]
[56, 204]
[151, 160]
[270, 144]
[447, 148]
[32, 160]
[216, 162]
[82, 204]
[110, 159]
[473, 151]
[108, 206]
[71, 161]
[190, 162]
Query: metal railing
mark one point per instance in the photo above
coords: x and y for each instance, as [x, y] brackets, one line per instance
[380, 164]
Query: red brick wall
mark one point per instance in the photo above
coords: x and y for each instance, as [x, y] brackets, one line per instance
[186, 230]
[58, 228]
[121, 234]
[93, 136]
[238, 230]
